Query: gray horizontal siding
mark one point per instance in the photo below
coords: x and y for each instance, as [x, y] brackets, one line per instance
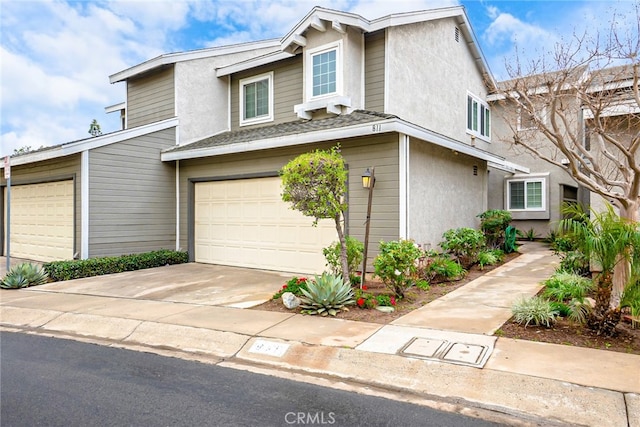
[380, 151]
[132, 197]
[47, 171]
[287, 90]
[374, 71]
[151, 98]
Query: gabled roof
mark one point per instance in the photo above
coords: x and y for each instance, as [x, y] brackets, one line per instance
[300, 132]
[321, 18]
[172, 58]
[75, 147]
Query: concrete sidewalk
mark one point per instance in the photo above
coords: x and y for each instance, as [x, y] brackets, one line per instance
[443, 351]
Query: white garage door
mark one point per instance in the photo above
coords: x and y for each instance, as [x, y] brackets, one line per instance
[245, 223]
[41, 221]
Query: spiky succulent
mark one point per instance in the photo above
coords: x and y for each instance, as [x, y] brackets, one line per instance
[24, 275]
[326, 295]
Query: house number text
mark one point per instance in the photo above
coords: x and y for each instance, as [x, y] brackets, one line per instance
[377, 128]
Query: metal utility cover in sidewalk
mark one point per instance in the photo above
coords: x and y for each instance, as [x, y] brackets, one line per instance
[443, 350]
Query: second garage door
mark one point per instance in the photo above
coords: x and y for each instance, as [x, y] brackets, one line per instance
[245, 223]
[42, 221]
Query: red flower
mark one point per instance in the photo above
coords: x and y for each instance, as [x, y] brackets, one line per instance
[301, 280]
[285, 286]
[364, 287]
[393, 300]
[360, 302]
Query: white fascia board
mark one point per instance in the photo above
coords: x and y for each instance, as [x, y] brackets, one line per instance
[172, 58]
[316, 13]
[91, 143]
[414, 17]
[509, 167]
[385, 126]
[252, 63]
[115, 107]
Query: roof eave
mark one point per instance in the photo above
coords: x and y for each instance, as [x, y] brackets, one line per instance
[172, 58]
[362, 129]
[76, 147]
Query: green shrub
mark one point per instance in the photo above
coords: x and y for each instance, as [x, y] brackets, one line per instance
[564, 286]
[534, 311]
[355, 250]
[529, 235]
[396, 265]
[631, 300]
[442, 269]
[24, 275]
[77, 269]
[575, 310]
[463, 244]
[574, 262]
[490, 257]
[493, 223]
[294, 286]
[510, 235]
[326, 295]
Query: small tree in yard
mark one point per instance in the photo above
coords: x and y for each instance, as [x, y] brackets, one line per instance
[316, 184]
[578, 108]
[607, 240]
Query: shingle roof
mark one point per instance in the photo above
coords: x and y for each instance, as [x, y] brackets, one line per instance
[357, 117]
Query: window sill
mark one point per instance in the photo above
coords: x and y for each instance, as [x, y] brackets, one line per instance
[529, 214]
[332, 104]
[478, 136]
[256, 121]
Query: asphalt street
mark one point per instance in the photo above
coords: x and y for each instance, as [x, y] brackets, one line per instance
[56, 382]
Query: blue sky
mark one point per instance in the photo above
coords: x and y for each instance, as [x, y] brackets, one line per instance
[56, 56]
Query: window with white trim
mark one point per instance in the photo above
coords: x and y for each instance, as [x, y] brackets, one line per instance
[478, 117]
[256, 99]
[324, 71]
[526, 194]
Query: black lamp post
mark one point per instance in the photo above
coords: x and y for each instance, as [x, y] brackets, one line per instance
[368, 181]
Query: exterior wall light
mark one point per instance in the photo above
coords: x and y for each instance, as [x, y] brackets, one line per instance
[368, 181]
[368, 178]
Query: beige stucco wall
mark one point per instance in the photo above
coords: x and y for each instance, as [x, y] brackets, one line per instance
[202, 99]
[444, 192]
[428, 76]
[504, 115]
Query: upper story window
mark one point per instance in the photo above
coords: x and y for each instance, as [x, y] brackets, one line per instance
[256, 99]
[324, 70]
[478, 117]
[527, 194]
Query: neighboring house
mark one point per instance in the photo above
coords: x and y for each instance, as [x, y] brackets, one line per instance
[536, 199]
[405, 94]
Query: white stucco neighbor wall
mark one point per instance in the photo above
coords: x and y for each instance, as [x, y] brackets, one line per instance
[444, 192]
[428, 76]
[202, 99]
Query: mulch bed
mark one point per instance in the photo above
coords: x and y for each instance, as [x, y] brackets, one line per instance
[563, 332]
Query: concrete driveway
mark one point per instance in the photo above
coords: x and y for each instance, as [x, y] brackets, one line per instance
[192, 283]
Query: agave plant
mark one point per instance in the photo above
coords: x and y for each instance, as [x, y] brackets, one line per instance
[24, 275]
[326, 295]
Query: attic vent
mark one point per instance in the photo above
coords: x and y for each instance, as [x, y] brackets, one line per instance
[475, 170]
[457, 34]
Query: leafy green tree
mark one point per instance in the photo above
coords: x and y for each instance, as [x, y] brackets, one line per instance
[315, 184]
[609, 241]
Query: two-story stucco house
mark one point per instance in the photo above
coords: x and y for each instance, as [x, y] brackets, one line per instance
[536, 199]
[207, 132]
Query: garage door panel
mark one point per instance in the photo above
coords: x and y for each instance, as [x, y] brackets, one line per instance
[247, 224]
[42, 218]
